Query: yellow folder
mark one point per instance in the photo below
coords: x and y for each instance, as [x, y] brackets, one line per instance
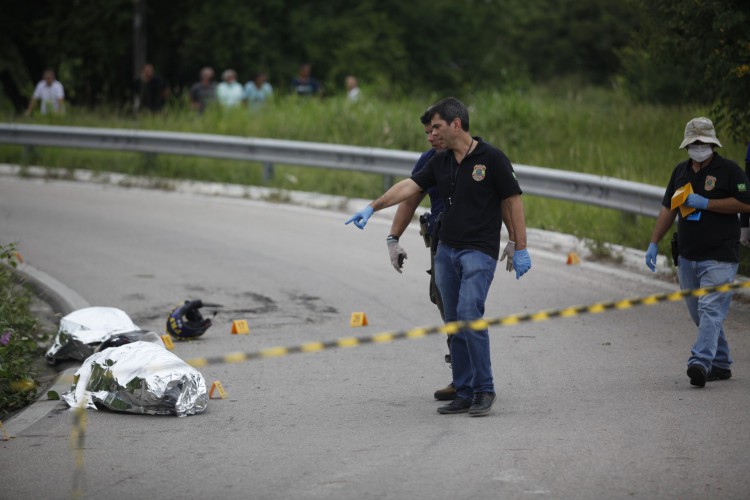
[679, 197]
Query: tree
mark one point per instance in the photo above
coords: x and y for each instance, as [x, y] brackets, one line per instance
[87, 43]
[698, 51]
[432, 47]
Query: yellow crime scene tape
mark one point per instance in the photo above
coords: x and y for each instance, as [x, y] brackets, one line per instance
[77, 438]
[77, 442]
[455, 327]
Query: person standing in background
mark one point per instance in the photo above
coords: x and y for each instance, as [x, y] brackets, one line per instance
[149, 90]
[258, 91]
[50, 93]
[352, 88]
[304, 84]
[203, 92]
[229, 92]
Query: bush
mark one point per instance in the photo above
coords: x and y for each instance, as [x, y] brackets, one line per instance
[21, 339]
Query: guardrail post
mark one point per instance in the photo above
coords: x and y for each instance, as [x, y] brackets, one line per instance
[267, 172]
[29, 154]
[149, 162]
[387, 181]
[629, 219]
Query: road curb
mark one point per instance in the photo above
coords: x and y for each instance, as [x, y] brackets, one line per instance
[42, 406]
[63, 300]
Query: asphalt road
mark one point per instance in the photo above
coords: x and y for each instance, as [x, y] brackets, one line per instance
[596, 406]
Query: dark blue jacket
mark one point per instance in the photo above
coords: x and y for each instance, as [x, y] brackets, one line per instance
[437, 206]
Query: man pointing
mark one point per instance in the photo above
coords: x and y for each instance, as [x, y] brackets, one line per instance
[481, 192]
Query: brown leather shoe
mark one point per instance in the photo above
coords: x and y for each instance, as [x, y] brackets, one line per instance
[446, 394]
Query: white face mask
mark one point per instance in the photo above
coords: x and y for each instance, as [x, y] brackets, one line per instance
[699, 152]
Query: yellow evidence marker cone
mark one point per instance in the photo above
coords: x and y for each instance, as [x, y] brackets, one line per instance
[217, 386]
[167, 339]
[358, 319]
[239, 327]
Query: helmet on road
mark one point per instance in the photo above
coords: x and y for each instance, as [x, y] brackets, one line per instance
[185, 321]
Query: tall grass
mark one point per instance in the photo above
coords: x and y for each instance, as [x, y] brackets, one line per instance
[583, 129]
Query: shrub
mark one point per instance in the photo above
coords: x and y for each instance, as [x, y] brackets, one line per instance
[21, 339]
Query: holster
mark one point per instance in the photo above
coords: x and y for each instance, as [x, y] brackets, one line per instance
[435, 238]
[424, 229]
[675, 247]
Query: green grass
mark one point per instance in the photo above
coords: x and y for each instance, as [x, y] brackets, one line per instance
[591, 130]
[21, 340]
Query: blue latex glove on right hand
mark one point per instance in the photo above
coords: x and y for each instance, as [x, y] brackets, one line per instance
[360, 218]
[696, 201]
[521, 262]
[651, 253]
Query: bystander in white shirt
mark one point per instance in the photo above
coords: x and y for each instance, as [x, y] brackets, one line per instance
[51, 96]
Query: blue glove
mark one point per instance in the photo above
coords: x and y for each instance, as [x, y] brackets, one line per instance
[521, 262]
[651, 254]
[696, 201]
[360, 218]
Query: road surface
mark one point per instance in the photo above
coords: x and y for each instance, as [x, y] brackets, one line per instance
[596, 406]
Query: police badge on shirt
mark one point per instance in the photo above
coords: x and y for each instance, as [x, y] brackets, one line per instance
[479, 172]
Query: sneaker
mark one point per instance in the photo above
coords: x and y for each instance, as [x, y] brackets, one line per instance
[716, 373]
[697, 375]
[482, 403]
[446, 394]
[458, 405]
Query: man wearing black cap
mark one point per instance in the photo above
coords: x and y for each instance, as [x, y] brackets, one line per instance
[709, 191]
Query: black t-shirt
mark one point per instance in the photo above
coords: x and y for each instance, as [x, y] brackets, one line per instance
[202, 94]
[473, 191]
[714, 236]
[151, 93]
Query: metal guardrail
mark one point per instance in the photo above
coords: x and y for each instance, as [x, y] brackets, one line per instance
[609, 192]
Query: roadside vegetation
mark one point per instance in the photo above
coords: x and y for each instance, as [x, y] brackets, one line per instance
[566, 126]
[22, 339]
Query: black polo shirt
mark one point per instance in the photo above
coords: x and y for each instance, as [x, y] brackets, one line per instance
[472, 191]
[714, 236]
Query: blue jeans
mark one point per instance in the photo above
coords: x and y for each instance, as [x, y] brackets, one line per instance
[464, 278]
[708, 311]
